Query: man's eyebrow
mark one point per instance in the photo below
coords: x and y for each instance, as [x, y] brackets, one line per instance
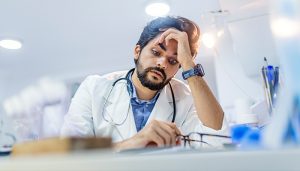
[162, 46]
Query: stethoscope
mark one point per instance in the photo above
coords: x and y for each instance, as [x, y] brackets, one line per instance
[130, 89]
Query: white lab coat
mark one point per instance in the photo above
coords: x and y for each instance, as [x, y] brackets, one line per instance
[85, 115]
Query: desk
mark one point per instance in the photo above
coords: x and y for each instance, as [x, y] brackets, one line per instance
[281, 160]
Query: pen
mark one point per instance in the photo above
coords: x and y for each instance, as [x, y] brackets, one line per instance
[271, 79]
[276, 81]
[266, 88]
[270, 76]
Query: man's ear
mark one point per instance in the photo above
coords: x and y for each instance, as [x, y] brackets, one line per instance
[137, 51]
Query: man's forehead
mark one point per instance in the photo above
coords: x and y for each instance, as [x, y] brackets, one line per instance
[156, 37]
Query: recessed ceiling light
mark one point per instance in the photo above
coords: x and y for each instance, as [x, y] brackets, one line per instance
[10, 44]
[157, 9]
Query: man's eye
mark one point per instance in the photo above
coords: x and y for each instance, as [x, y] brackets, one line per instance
[154, 52]
[173, 61]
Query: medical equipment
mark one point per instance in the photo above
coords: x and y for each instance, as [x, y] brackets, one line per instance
[7, 140]
[130, 88]
[284, 129]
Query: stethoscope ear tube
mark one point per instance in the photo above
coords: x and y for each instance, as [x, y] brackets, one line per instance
[174, 103]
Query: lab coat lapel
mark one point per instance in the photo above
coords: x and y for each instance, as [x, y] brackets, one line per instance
[119, 107]
[163, 109]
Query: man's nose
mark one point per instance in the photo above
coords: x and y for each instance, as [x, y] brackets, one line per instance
[162, 62]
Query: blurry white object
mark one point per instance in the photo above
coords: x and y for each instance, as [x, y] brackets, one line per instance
[209, 40]
[243, 112]
[285, 27]
[284, 128]
[13, 106]
[260, 108]
[6, 140]
[31, 99]
[157, 9]
[53, 119]
[248, 119]
[242, 106]
[38, 111]
[52, 90]
[252, 41]
[220, 33]
[55, 95]
[10, 44]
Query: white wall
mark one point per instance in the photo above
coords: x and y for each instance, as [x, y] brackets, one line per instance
[232, 82]
[247, 39]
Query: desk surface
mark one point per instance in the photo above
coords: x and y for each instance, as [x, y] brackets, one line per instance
[287, 159]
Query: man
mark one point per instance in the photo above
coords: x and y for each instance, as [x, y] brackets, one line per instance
[137, 108]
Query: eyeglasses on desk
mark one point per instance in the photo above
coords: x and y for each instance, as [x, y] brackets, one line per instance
[201, 140]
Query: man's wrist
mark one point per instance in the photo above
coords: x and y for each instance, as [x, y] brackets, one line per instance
[187, 65]
[131, 143]
[123, 145]
[118, 146]
[197, 70]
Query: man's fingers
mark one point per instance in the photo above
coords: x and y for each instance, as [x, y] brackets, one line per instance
[165, 135]
[170, 129]
[178, 132]
[154, 137]
[162, 133]
[169, 30]
[173, 125]
[165, 34]
[170, 37]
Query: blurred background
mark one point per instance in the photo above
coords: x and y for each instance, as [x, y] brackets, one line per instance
[60, 42]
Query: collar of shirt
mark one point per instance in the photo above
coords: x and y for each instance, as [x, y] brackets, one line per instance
[139, 101]
[141, 108]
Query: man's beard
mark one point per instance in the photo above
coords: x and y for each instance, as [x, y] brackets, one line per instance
[143, 77]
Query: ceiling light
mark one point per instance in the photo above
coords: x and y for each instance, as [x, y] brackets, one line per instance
[208, 40]
[10, 44]
[157, 9]
[284, 27]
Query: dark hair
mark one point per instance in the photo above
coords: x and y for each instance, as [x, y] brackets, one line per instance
[183, 24]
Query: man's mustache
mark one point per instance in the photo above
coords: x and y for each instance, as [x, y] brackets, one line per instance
[157, 69]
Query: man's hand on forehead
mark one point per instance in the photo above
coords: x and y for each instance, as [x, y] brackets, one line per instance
[168, 34]
[183, 48]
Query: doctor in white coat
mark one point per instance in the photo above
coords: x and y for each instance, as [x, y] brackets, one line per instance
[109, 105]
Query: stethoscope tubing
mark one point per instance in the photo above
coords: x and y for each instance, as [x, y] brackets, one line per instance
[128, 83]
